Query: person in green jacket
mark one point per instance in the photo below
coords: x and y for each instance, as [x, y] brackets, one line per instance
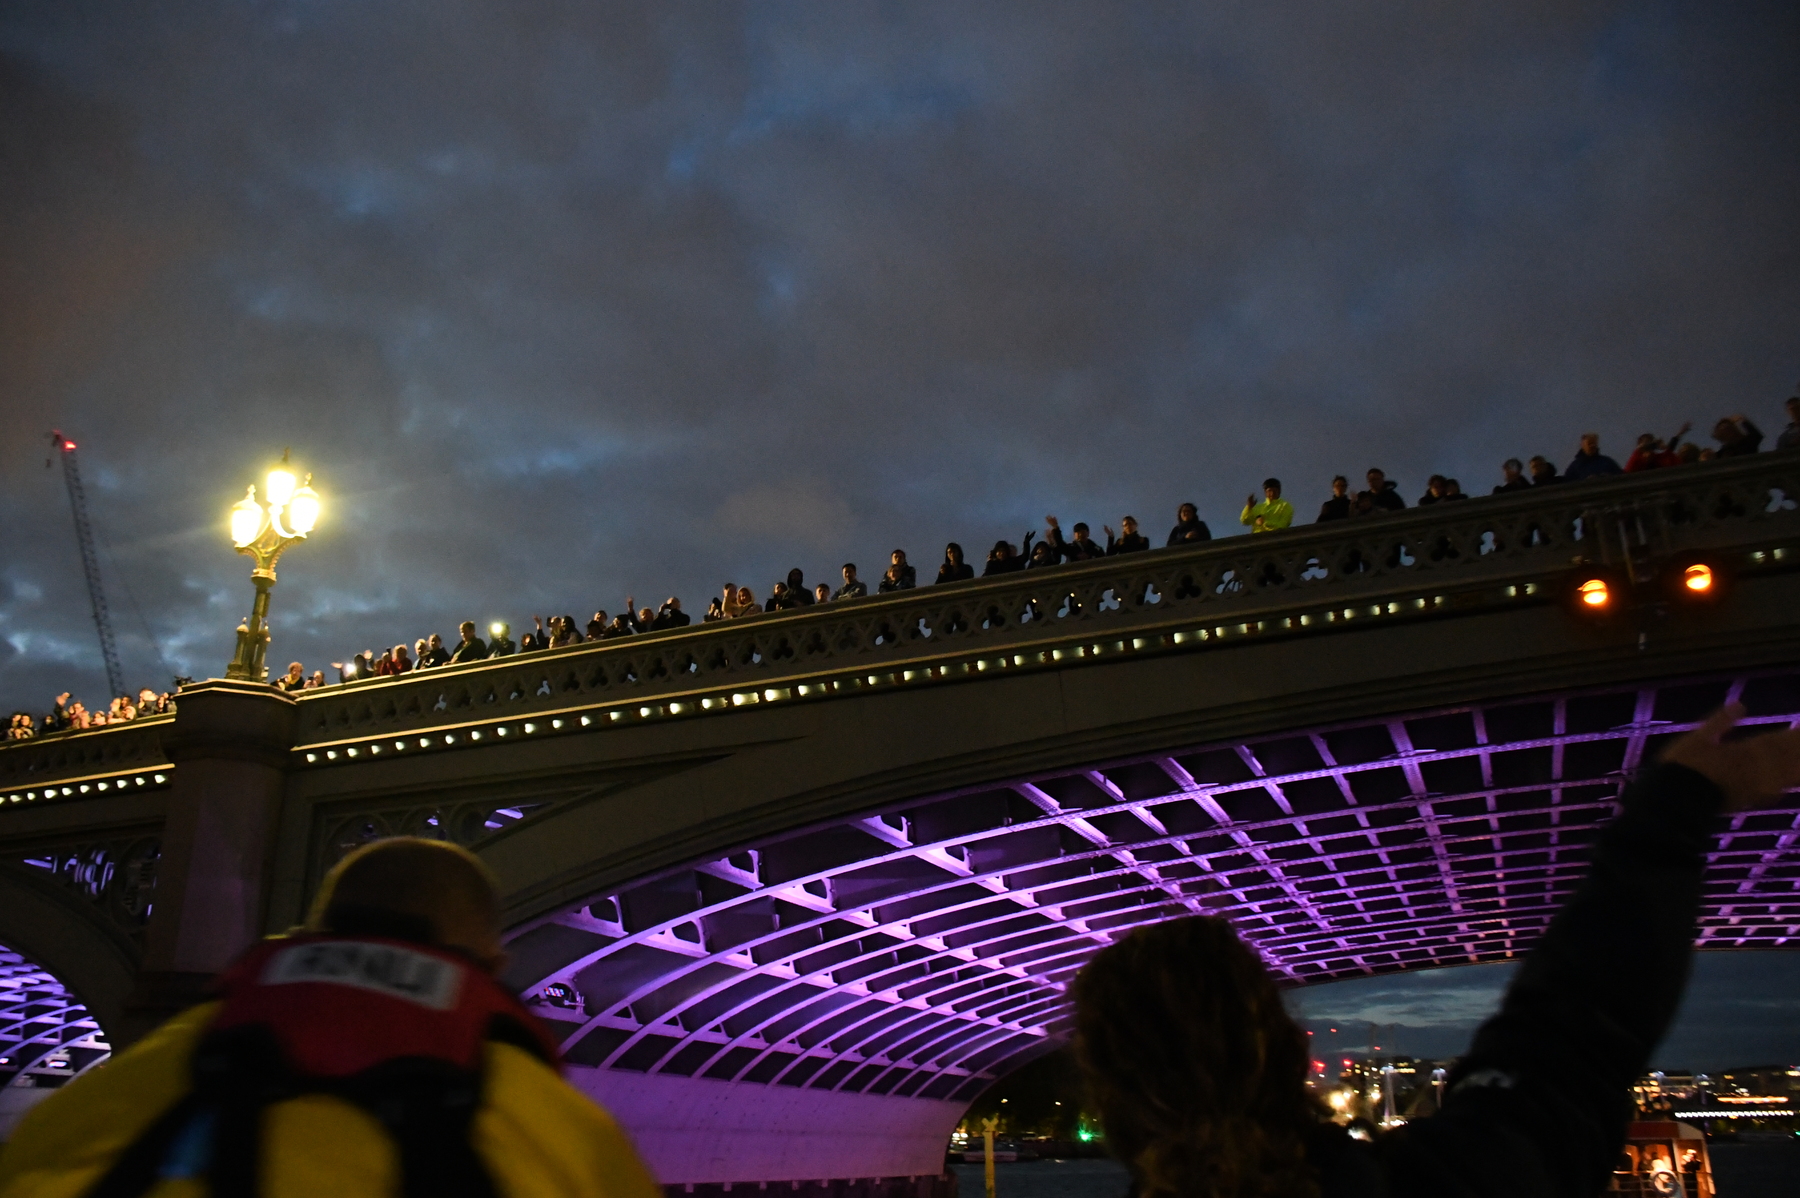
[1271, 515]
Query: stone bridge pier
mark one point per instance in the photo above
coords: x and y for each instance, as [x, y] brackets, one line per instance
[792, 890]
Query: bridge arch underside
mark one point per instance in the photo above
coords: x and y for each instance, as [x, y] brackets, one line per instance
[881, 970]
[47, 1036]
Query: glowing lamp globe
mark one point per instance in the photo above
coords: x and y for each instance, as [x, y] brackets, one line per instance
[1595, 593]
[1698, 578]
[280, 487]
[303, 509]
[246, 519]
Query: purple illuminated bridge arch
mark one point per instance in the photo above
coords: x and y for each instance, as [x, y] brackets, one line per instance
[47, 1037]
[922, 951]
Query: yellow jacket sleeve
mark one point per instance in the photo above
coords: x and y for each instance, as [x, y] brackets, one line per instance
[542, 1138]
[67, 1142]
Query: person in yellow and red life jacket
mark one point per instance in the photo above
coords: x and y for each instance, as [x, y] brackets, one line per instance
[372, 1053]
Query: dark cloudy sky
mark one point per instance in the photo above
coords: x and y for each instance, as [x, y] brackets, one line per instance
[566, 301]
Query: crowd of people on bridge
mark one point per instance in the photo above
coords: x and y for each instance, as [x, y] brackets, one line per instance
[68, 714]
[1735, 436]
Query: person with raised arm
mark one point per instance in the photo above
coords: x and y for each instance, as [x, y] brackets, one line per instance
[1198, 1073]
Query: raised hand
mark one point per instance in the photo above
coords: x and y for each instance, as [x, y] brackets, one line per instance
[1752, 773]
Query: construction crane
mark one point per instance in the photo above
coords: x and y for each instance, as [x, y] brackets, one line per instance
[90, 562]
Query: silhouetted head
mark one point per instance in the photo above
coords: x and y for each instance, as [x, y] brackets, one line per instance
[1590, 443]
[953, 554]
[1128, 525]
[406, 888]
[1198, 1071]
[1186, 512]
[1272, 488]
[1340, 486]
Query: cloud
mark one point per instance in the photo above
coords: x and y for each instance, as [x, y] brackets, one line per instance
[563, 303]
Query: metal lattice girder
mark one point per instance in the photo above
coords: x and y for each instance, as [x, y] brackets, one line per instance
[46, 1035]
[925, 950]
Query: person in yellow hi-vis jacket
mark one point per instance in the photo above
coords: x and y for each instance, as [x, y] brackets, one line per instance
[1271, 515]
[373, 1053]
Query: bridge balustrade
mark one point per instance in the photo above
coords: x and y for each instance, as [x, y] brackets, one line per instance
[1312, 580]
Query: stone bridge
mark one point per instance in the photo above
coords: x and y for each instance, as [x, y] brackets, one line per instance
[793, 889]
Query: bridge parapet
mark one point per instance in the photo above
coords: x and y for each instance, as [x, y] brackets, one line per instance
[96, 760]
[1316, 580]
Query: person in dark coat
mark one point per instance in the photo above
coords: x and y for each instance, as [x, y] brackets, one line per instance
[1512, 472]
[1338, 506]
[1189, 528]
[1382, 496]
[900, 576]
[1004, 559]
[1789, 437]
[853, 588]
[785, 598]
[1589, 462]
[799, 594]
[471, 647]
[434, 653]
[1198, 1073]
[1737, 437]
[670, 615]
[954, 569]
[1082, 549]
[1130, 539]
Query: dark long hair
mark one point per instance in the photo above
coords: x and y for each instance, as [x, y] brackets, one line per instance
[1197, 1071]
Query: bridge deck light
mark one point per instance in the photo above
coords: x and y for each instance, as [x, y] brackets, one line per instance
[1698, 578]
[1594, 593]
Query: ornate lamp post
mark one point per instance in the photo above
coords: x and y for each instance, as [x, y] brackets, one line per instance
[260, 533]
